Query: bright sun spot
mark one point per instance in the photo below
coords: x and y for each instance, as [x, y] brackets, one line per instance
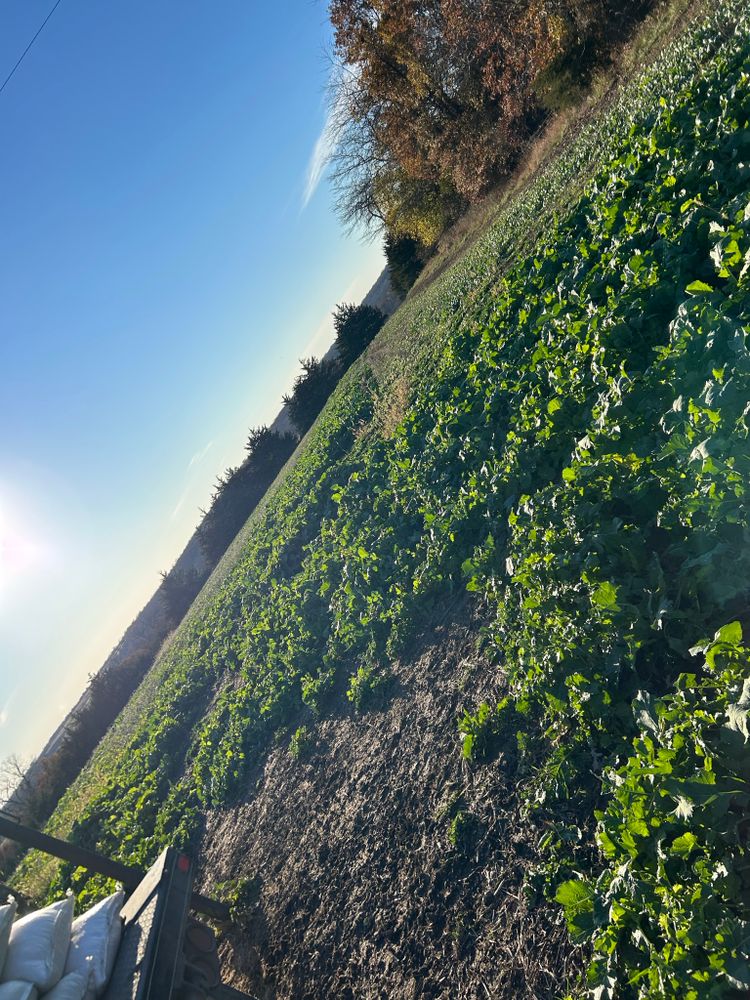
[18, 554]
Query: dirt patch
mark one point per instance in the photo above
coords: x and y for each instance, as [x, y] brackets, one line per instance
[363, 895]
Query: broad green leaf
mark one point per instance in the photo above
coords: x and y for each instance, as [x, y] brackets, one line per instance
[575, 895]
[577, 899]
[701, 451]
[644, 713]
[730, 634]
[737, 719]
[738, 973]
[605, 596]
[683, 845]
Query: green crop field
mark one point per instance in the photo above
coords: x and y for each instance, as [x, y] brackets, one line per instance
[559, 426]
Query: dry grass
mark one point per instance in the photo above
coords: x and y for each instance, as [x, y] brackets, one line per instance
[390, 406]
[363, 894]
[391, 409]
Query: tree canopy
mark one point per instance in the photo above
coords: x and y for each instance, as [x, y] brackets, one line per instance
[311, 389]
[355, 327]
[435, 98]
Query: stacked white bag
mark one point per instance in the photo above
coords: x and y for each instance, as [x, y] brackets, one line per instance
[49, 956]
[94, 940]
[73, 986]
[7, 913]
[12, 990]
[38, 946]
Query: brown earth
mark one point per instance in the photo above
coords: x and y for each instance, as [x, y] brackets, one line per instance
[362, 894]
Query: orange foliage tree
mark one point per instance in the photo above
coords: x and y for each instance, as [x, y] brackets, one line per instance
[435, 98]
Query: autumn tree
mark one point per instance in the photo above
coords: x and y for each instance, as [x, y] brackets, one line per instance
[15, 783]
[434, 99]
[441, 85]
[386, 114]
[26, 788]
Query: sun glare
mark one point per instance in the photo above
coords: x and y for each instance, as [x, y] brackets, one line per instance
[18, 554]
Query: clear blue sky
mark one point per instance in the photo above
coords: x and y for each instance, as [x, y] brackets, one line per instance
[160, 275]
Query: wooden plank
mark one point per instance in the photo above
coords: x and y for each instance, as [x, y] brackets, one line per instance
[129, 876]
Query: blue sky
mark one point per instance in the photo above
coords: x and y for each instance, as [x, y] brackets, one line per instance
[166, 256]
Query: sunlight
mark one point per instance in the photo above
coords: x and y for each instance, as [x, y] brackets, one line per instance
[18, 554]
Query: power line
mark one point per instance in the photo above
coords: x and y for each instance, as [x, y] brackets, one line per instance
[26, 50]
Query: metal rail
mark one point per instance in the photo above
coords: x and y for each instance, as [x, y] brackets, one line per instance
[128, 875]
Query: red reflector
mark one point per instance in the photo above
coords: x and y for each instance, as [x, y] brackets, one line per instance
[183, 863]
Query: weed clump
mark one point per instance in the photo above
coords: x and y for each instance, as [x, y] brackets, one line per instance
[242, 895]
[301, 743]
[369, 687]
[317, 691]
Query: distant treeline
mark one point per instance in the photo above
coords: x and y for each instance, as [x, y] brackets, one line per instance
[239, 490]
[33, 791]
[435, 100]
[355, 327]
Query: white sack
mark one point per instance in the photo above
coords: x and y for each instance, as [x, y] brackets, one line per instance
[71, 987]
[39, 945]
[95, 939]
[17, 990]
[7, 913]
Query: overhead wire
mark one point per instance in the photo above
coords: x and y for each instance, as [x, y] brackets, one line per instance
[25, 52]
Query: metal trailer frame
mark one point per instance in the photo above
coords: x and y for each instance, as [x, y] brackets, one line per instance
[157, 958]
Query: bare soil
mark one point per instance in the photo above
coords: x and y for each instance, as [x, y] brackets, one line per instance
[362, 894]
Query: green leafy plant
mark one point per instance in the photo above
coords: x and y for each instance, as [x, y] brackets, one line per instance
[317, 691]
[301, 743]
[489, 730]
[368, 687]
[463, 832]
[480, 731]
[672, 908]
[242, 895]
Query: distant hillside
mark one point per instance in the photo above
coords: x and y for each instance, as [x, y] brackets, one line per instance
[382, 295]
[148, 630]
